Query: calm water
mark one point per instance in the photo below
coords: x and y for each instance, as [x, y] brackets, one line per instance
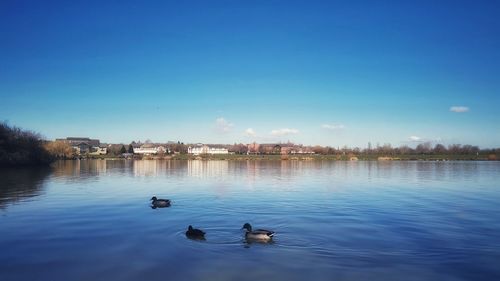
[91, 220]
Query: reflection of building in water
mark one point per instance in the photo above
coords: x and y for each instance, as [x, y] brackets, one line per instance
[80, 167]
[275, 174]
[157, 168]
[85, 168]
[253, 171]
[98, 166]
[204, 169]
[146, 168]
[286, 167]
[291, 170]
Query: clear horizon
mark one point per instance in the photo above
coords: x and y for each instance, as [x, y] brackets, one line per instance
[223, 72]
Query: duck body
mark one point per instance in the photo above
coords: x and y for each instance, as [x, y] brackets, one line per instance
[258, 234]
[194, 233]
[159, 203]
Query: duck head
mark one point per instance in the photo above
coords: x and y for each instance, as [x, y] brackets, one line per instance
[247, 226]
[153, 198]
[190, 228]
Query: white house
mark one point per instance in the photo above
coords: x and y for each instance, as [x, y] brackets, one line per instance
[99, 150]
[205, 149]
[148, 149]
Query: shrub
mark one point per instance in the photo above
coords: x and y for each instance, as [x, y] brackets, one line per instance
[20, 147]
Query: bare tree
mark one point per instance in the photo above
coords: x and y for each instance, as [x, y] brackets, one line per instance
[440, 149]
[60, 149]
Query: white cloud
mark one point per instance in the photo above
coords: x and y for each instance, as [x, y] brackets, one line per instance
[333, 126]
[415, 138]
[459, 109]
[250, 132]
[284, 132]
[222, 125]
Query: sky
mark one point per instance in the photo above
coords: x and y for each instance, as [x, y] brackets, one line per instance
[311, 72]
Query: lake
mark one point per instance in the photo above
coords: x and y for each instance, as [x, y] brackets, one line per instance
[92, 220]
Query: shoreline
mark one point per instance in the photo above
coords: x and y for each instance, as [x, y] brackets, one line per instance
[239, 157]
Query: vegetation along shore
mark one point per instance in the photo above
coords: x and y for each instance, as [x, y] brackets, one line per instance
[22, 147]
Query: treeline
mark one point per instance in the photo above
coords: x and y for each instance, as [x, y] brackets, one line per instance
[425, 148]
[421, 149]
[21, 147]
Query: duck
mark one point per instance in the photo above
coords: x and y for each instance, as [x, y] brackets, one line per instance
[195, 234]
[159, 203]
[258, 234]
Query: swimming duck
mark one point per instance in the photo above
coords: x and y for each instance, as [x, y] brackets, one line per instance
[258, 234]
[194, 233]
[159, 203]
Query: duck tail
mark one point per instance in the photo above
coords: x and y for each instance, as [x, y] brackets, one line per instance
[271, 234]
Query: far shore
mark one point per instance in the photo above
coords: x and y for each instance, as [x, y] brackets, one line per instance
[240, 157]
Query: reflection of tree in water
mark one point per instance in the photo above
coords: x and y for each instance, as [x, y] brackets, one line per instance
[82, 168]
[17, 184]
[87, 169]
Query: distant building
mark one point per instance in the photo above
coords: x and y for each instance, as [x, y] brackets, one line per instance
[149, 149]
[270, 148]
[83, 145]
[101, 150]
[295, 149]
[253, 148]
[205, 149]
[75, 141]
[278, 148]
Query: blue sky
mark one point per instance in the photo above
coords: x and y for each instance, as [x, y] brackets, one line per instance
[314, 72]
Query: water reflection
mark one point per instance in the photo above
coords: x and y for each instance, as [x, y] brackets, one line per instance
[247, 243]
[341, 220]
[207, 169]
[147, 168]
[20, 184]
[81, 168]
[277, 171]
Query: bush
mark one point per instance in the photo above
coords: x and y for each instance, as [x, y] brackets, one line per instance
[60, 150]
[20, 147]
